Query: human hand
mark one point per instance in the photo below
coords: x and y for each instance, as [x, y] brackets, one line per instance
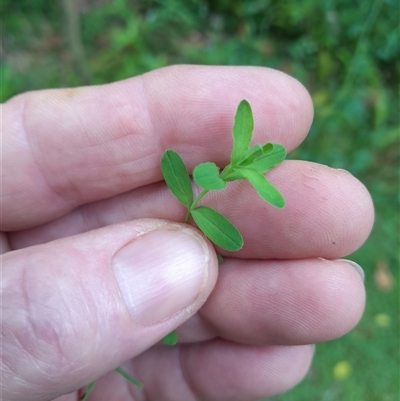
[95, 273]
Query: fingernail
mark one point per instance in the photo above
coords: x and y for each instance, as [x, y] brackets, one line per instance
[356, 266]
[161, 273]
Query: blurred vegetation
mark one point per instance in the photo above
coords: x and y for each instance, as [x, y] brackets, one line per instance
[345, 52]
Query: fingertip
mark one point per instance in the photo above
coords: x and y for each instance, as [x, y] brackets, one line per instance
[343, 296]
[329, 208]
[354, 212]
[164, 272]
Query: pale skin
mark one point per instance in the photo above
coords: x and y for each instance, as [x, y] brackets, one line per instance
[81, 180]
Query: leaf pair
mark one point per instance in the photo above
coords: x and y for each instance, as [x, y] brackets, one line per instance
[215, 226]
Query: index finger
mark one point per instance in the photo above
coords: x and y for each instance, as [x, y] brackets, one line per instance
[64, 148]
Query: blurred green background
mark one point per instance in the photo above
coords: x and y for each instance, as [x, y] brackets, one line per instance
[345, 52]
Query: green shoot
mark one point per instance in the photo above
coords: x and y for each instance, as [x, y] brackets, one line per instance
[247, 163]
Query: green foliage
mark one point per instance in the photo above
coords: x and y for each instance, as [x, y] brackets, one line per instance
[246, 164]
[206, 175]
[264, 188]
[170, 339]
[217, 228]
[177, 177]
[345, 53]
[271, 157]
[242, 131]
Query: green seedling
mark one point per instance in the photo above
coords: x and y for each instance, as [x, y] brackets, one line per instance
[246, 163]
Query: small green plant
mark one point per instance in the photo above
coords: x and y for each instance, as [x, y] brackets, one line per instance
[246, 163]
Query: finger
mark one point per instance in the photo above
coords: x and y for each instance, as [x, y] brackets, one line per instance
[76, 308]
[215, 370]
[328, 214]
[280, 302]
[68, 147]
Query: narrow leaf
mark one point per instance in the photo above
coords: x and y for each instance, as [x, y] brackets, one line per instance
[270, 159]
[264, 188]
[177, 177]
[267, 148]
[206, 176]
[170, 339]
[242, 130]
[217, 228]
[250, 155]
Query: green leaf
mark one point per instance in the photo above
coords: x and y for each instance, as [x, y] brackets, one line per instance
[170, 339]
[233, 175]
[270, 159]
[206, 176]
[264, 188]
[262, 158]
[267, 148]
[177, 177]
[217, 228]
[242, 130]
[128, 377]
[250, 155]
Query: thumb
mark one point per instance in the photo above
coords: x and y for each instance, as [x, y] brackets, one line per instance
[76, 308]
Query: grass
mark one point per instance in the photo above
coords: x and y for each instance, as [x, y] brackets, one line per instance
[344, 52]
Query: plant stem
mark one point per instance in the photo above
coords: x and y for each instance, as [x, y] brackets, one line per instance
[224, 173]
[89, 389]
[194, 203]
[128, 377]
[72, 15]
